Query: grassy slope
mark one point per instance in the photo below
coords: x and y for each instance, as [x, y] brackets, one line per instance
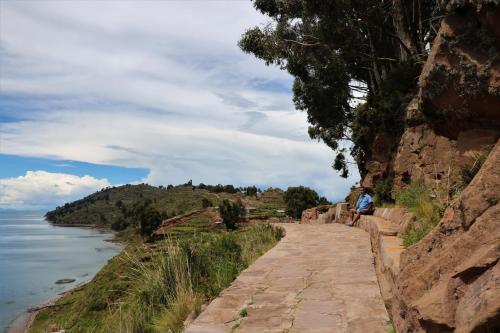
[126, 294]
[115, 300]
[102, 208]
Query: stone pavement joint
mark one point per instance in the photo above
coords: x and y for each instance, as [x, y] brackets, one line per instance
[319, 278]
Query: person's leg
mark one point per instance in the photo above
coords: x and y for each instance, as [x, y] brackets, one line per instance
[351, 216]
[356, 218]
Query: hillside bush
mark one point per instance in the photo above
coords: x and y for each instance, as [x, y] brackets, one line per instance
[468, 171]
[382, 191]
[231, 213]
[419, 199]
[205, 203]
[300, 198]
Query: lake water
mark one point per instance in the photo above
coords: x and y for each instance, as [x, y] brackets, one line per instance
[34, 255]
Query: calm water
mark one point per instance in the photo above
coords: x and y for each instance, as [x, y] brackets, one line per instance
[35, 254]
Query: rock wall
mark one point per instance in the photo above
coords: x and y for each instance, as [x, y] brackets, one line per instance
[450, 281]
[321, 214]
[456, 111]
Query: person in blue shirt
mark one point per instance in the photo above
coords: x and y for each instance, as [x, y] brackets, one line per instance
[364, 206]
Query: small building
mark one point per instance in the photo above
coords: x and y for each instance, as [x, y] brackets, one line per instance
[249, 210]
[280, 212]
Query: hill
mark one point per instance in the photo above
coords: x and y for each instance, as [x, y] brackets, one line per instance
[120, 207]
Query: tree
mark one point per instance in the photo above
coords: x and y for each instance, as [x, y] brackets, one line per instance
[205, 203]
[231, 213]
[338, 48]
[251, 191]
[119, 224]
[149, 221]
[298, 199]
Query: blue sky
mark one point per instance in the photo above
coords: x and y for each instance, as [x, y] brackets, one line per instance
[94, 94]
[14, 166]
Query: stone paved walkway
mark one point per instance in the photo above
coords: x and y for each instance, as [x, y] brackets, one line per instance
[318, 278]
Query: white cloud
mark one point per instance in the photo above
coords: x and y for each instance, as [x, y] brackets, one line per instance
[158, 84]
[41, 189]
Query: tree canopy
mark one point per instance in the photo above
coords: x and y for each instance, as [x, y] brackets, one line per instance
[336, 49]
[299, 198]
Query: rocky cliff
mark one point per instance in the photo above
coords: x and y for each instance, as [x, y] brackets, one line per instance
[456, 111]
[450, 280]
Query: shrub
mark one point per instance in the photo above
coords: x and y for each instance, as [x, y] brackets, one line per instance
[467, 172]
[418, 199]
[231, 213]
[119, 224]
[382, 190]
[149, 220]
[251, 191]
[206, 203]
[298, 199]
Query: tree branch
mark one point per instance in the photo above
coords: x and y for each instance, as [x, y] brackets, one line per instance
[301, 43]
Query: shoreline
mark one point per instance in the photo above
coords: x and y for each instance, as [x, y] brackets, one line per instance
[23, 322]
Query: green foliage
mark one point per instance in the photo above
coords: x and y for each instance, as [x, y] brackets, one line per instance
[469, 171]
[217, 188]
[205, 203]
[340, 164]
[231, 213]
[300, 198]
[120, 224]
[149, 219]
[418, 198]
[243, 312]
[251, 191]
[383, 113]
[323, 201]
[390, 327]
[337, 48]
[155, 288]
[382, 191]
[123, 209]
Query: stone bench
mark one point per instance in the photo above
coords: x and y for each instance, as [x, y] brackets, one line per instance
[386, 227]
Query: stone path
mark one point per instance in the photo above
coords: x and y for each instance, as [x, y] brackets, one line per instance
[318, 278]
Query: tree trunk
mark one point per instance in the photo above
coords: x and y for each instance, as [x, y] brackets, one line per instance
[401, 26]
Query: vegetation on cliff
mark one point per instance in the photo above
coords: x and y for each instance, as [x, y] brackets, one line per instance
[337, 50]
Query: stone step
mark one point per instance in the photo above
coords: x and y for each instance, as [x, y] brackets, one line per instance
[387, 246]
[391, 248]
[399, 216]
[378, 225]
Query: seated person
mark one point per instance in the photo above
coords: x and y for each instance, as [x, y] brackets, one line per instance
[364, 206]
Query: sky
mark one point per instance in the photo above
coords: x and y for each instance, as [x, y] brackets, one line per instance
[95, 93]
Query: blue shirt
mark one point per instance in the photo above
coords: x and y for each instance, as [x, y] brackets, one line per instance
[363, 202]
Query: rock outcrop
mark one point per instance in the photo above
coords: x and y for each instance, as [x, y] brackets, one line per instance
[320, 214]
[450, 281]
[457, 109]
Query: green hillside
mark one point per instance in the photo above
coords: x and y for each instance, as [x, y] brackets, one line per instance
[120, 207]
[153, 287]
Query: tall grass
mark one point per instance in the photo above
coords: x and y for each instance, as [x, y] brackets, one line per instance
[182, 275]
[420, 199]
[468, 171]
